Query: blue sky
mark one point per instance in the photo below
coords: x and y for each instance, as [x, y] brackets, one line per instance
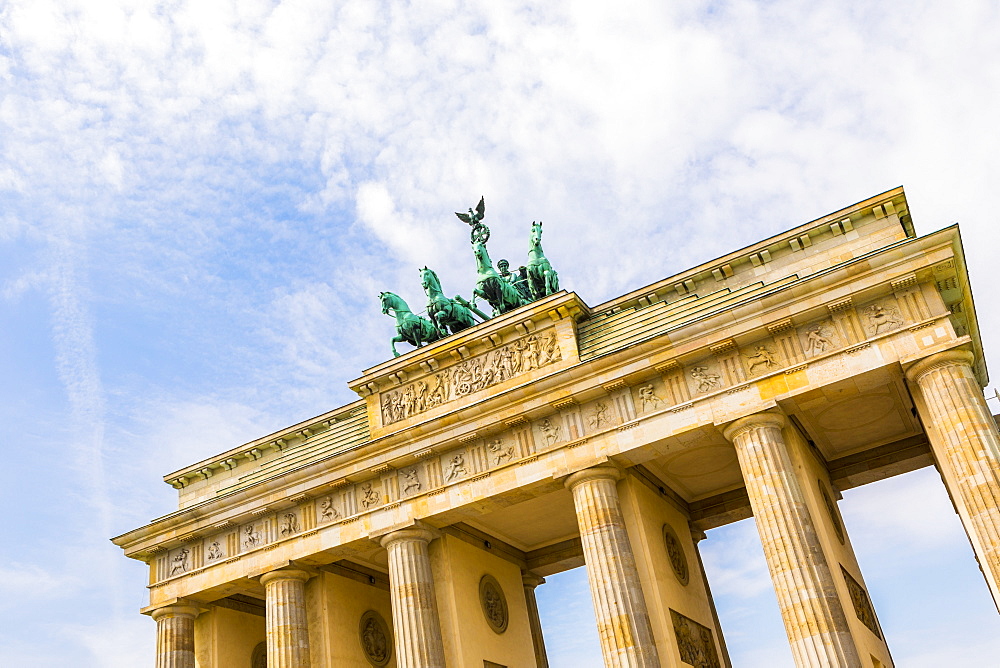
[201, 200]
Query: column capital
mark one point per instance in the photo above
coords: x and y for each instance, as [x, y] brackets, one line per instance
[176, 610]
[415, 533]
[603, 472]
[765, 419]
[953, 357]
[529, 579]
[284, 574]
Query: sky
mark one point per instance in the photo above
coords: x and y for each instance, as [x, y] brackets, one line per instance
[201, 200]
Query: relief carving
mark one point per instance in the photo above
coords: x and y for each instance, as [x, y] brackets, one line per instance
[375, 640]
[215, 551]
[494, 603]
[289, 524]
[762, 359]
[862, 604]
[179, 564]
[706, 380]
[478, 373]
[252, 537]
[456, 467]
[648, 399]
[500, 452]
[694, 642]
[371, 497]
[550, 430]
[675, 554]
[411, 480]
[600, 417]
[882, 318]
[327, 511]
[818, 339]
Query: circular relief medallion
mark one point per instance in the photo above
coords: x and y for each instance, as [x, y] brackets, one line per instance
[831, 508]
[675, 553]
[376, 640]
[259, 657]
[494, 603]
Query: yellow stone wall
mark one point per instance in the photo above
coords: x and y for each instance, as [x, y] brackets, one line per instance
[334, 605]
[646, 511]
[468, 638]
[225, 638]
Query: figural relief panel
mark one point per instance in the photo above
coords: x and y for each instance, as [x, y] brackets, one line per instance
[694, 642]
[762, 359]
[649, 397]
[819, 338]
[881, 316]
[478, 373]
[862, 604]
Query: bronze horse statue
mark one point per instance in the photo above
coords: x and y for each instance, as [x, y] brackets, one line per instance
[410, 327]
[542, 278]
[500, 294]
[448, 315]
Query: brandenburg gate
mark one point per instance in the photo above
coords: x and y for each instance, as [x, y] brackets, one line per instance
[410, 528]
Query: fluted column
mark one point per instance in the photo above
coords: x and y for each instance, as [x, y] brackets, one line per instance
[530, 581]
[807, 594]
[415, 618]
[966, 445]
[622, 618]
[175, 636]
[287, 629]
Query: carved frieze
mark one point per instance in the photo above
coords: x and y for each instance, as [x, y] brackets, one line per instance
[494, 603]
[881, 316]
[762, 360]
[819, 338]
[694, 642]
[649, 400]
[471, 375]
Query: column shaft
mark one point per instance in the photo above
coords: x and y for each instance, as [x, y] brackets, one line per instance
[175, 636]
[622, 618]
[807, 595]
[530, 581]
[966, 446]
[415, 618]
[287, 628]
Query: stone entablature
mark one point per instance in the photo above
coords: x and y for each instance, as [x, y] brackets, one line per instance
[775, 365]
[596, 423]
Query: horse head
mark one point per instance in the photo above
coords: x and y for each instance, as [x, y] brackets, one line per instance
[429, 279]
[391, 302]
[536, 233]
[483, 263]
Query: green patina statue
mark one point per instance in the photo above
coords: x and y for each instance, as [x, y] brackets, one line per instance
[409, 327]
[518, 280]
[448, 315]
[505, 291]
[500, 294]
[542, 278]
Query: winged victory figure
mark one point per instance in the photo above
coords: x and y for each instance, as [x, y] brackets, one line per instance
[475, 220]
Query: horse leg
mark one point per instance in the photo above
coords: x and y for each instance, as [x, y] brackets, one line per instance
[395, 340]
[551, 281]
